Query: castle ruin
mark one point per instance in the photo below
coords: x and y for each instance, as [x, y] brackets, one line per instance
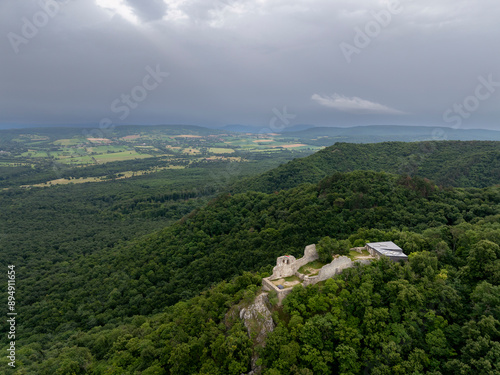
[288, 266]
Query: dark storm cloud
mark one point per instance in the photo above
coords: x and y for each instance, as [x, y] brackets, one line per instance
[150, 10]
[340, 63]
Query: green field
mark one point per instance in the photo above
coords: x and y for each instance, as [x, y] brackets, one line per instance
[68, 142]
[217, 150]
[73, 156]
[119, 156]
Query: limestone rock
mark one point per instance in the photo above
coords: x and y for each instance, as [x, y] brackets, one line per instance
[258, 319]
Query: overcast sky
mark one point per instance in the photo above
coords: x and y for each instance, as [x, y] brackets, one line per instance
[252, 62]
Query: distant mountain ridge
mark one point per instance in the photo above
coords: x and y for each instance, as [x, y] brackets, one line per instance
[118, 131]
[326, 136]
[263, 129]
[387, 133]
[320, 136]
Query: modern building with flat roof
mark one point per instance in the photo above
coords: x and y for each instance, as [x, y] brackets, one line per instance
[388, 249]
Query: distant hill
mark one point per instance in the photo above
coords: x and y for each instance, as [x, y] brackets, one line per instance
[118, 131]
[303, 133]
[36, 126]
[326, 136]
[259, 129]
[448, 163]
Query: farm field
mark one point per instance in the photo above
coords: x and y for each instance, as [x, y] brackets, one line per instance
[80, 156]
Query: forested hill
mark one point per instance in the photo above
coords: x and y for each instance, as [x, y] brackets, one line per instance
[234, 234]
[447, 163]
[96, 314]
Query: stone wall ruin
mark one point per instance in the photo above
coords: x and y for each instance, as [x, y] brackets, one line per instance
[288, 265]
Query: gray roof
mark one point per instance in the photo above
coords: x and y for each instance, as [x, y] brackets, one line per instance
[388, 248]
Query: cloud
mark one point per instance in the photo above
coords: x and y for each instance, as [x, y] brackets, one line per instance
[119, 7]
[233, 61]
[150, 10]
[354, 104]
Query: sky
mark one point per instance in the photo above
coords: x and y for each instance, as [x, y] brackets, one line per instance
[268, 63]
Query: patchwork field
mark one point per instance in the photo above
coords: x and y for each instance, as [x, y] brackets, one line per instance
[119, 156]
[68, 142]
[218, 150]
[71, 149]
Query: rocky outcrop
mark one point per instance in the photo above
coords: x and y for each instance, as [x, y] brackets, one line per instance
[258, 320]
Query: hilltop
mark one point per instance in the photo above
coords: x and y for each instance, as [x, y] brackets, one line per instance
[114, 305]
[447, 163]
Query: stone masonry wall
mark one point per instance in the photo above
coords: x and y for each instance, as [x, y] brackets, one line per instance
[267, 285]
[328, 271]
[310, 255]
[335, 267]
[286, 266]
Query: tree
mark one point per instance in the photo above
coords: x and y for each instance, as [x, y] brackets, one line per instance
[486, 298]
[327, 247]
[482, 256]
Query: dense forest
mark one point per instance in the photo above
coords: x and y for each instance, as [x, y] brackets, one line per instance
[451, 163]
[54, 224]
[426, 316]
[154, 281]
[453, 233]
